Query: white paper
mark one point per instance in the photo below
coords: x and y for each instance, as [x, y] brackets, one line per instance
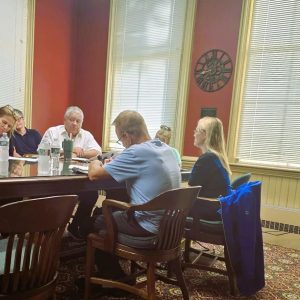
[80, 169]
[28, 159]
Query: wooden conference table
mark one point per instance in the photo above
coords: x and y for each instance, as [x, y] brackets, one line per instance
[23, 180]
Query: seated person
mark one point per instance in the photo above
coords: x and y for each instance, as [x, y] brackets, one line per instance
[24, 140]
[148, 167]
[211, 170]
[7, 120]
[165, 134]
[85, 146]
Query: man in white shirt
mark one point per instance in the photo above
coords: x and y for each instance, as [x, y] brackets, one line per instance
[85, 144]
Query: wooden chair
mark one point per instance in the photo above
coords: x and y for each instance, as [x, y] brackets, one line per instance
[210, 232]
[164, 247]
[34, 228]
[244, 178]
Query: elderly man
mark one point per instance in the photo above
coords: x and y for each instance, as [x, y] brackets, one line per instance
[148, 167]
[24, 140]
[84, 143]
[84, 146]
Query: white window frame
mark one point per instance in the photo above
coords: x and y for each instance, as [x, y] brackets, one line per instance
[183, 77]
[238, 92]
[22, 77]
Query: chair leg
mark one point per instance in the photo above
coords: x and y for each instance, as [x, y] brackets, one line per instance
[90, 261]
[175, 266]
[231, 273]
[186, 253]
[151, 281]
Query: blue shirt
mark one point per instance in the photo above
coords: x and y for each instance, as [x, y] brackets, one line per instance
[27, 143]
[148, 169]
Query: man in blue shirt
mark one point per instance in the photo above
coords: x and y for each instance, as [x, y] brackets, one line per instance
[24, 140]
[148, 168]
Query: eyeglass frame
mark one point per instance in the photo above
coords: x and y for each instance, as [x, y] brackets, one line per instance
[198, 130]
[165, 127]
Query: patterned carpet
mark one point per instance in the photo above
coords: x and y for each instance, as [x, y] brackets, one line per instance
[282, 271]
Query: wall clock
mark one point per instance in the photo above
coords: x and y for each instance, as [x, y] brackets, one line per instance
[213, 70]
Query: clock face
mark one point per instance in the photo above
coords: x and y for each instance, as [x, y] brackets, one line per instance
[213, 70]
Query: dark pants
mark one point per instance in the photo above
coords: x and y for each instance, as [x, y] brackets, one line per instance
[87, 201]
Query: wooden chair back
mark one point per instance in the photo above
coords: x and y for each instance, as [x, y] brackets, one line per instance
[34, 229]
[176, 205]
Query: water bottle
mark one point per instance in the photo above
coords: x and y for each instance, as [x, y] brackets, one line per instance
[4, 168]
[44, 158]
[4, 147]
[55, 153]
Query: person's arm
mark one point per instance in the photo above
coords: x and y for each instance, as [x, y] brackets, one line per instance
[89, 148]
[96, 171]
[79, 152]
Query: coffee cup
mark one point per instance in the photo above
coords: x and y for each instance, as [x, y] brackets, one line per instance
[67, 146]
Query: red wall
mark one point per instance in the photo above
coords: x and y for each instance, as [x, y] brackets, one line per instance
[91, 53]
[70, 61]
[217, 27]
[53, 61]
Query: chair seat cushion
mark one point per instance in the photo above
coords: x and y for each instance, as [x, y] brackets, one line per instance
[139, 242]
[196, 226]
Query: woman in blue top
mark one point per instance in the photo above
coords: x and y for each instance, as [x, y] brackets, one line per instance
[211, 170]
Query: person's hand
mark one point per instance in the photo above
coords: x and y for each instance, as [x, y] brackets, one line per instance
[95, 164]
[78, 151]
[15, 153]
[108, 160]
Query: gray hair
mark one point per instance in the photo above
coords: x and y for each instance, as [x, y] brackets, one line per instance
[72, 109]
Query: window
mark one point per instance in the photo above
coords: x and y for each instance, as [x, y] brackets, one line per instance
[13, 41]
[269, 132]
[146, 50]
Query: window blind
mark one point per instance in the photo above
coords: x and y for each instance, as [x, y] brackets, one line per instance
[147, 45]
[13, 30]
[270, 124]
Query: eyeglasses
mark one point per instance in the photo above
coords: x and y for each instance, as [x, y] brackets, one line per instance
[199, 130]
[165, 127]
[119, 140]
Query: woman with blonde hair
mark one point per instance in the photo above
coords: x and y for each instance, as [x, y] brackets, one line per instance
[7, 120]
[211, 170]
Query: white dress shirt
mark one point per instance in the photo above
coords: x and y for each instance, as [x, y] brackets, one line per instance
[84, 139]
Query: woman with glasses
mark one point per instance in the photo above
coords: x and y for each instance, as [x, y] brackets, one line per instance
[24, 140]
[7, 120]
[211, 170]
[164, 134]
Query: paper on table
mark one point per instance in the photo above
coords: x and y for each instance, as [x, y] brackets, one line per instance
[28, 159]
[80, 159]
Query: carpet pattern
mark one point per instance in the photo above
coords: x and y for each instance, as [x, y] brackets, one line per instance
[282, 274]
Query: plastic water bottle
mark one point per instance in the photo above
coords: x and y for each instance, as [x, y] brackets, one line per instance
[44, 158]
[55, 153]
[4, 147]
[4, 168]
